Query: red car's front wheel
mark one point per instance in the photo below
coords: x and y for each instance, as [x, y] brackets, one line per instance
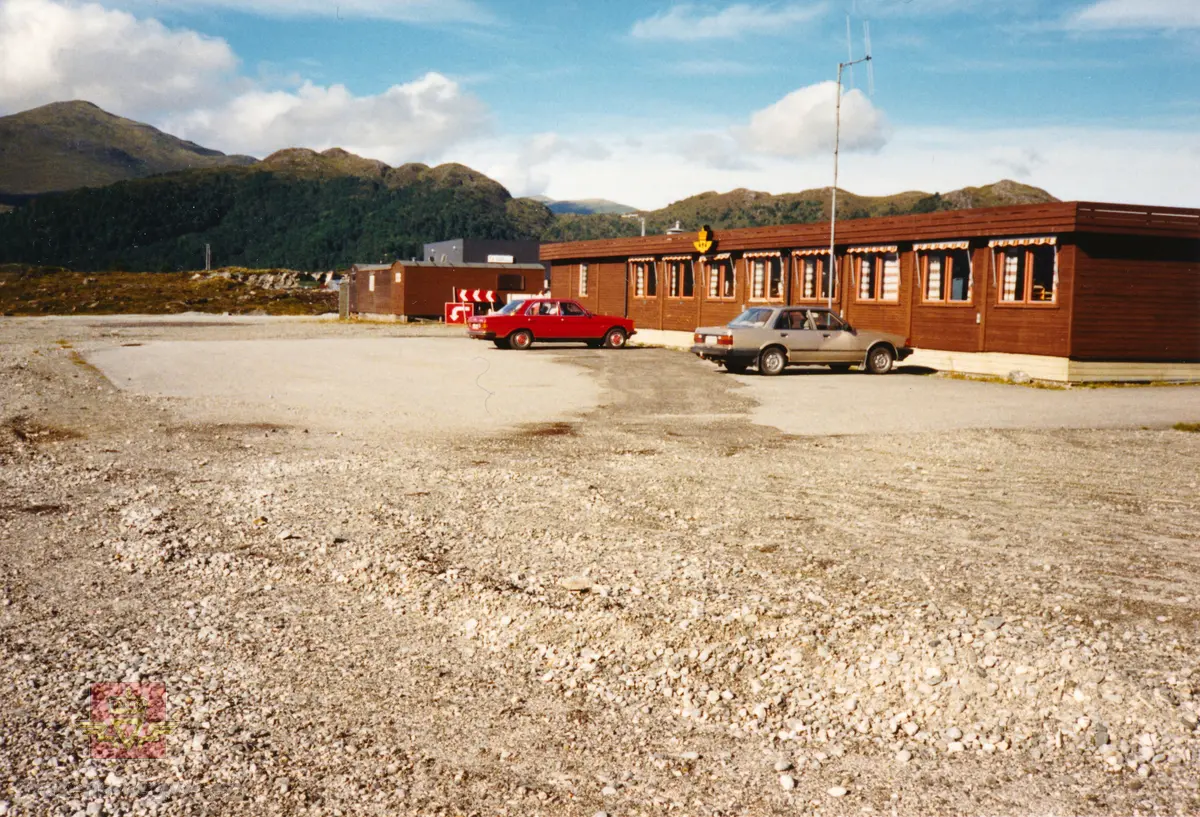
[521, 339]
[615, 338]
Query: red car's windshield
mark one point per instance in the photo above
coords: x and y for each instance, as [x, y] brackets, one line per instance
[509, 308]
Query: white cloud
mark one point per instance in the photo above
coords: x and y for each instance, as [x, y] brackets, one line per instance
[1138, 14]
[52, 51]
[1157, 167]
[803, 123]
[687, 22]
[410, 122]
[405, 11]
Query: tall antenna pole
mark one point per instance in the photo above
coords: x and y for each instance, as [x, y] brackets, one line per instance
[837, 139]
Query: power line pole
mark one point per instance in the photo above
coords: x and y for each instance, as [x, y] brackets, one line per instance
[208, 257]
[837, 138]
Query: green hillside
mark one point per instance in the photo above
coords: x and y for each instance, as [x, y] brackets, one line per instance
[296, 209]
[584, 206]
[749, 208]
[67, 145]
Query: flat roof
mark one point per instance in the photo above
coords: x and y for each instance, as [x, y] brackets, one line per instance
[471, 265]
[989, 222]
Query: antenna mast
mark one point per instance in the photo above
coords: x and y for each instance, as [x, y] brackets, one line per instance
[837, 138]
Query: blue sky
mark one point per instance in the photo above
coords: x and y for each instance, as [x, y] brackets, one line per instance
[649, 102]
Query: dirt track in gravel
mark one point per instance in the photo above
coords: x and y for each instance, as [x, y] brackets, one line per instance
[975, 621]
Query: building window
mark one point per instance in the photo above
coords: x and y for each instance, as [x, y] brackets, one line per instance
[946, 275]
[766, 278]
[721, 283]
[815, 281]
[681, 278]
[879, 276]
[583, 280]
[1028, 274]
[645, 279]
[371, 282]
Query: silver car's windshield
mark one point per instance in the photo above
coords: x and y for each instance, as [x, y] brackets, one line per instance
[755, 316]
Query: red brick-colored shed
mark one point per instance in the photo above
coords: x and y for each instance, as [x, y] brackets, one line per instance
[421, 289]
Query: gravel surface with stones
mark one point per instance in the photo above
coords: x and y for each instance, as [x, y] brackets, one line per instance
[656, 606]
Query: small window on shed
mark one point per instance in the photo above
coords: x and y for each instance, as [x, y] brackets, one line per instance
[510, 281]
[583, 280]
[398, 277]
[371, 282]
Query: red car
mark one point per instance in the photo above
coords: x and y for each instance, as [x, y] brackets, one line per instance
[554, 320]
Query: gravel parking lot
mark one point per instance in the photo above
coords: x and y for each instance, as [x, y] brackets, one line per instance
[627, 584]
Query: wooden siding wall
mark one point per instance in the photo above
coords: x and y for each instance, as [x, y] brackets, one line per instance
[720, 311]
[883, 316]
[1137, 298]
[364, 301]
[1030, 329]
[952, 326]
[426, 290]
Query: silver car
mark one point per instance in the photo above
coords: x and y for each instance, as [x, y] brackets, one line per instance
[775, 337]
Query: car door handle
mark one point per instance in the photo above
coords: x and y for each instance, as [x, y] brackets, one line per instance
[783, 334]
[825, 335]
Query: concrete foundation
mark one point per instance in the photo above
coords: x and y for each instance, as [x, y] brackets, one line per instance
[999, 364]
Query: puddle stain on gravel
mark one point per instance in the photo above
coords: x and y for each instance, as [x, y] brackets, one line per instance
[534, 430]
[33, 510]
[228, 430]
[29, 431]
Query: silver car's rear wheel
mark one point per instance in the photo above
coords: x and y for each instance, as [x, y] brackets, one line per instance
[772, 361]
[879, 360]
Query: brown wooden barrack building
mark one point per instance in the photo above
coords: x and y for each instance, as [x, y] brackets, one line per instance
[1067, 291]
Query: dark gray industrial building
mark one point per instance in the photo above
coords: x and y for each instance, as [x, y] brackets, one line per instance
[482, 251]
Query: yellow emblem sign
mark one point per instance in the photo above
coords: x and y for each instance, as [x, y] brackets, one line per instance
[704, 241]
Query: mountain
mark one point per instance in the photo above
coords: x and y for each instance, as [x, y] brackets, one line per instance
[312, 211]
[585, 207]
[297, 209]
[67, 145]
[750, 208]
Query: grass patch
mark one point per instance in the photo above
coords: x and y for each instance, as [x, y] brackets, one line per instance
[1004, 381]
[1192, 427]
[1137, 384]
[32, 291]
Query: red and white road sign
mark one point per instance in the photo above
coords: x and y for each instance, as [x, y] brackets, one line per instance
[458, 313]
[479, 296]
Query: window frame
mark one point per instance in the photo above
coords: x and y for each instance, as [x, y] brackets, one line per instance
[923, 258]
[878, 271]
[676, 284]
[648, 268]
[766, 258]
[1028, 250]
[820, 262]
[718, 272]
